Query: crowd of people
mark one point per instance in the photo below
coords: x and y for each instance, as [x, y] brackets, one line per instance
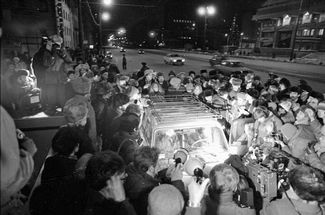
[98, 166]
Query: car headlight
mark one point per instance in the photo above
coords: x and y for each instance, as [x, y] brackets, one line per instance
[183, 60]
[174, 60]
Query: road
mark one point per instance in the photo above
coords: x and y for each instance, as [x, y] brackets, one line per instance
[313, 74]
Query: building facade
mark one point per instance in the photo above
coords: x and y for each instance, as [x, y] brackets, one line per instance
[287, 23]
[25, 22]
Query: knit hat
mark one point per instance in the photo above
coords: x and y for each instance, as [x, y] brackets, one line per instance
[75, 109]
[286, 105]
[171, 73]
[288, 130]
[175, 82]
[148, 72]
[235, 81]
[81, 66]
[321, 105]
[165, 199]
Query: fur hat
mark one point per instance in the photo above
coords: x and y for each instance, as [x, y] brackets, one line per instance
[148, 72]
[81, 85]
[175, 82]
[81, 66]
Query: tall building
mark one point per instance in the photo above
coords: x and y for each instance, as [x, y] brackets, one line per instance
[25, 22]
[280, 20]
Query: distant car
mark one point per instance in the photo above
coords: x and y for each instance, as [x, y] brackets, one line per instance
[140, 51]
[122, 49]
[109, 55]
[230, 66]
[174, 59]
[217, 59]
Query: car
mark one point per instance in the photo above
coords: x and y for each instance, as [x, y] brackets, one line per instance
[182, 122]
[140, 51]
[174, 59]
[216, 59]
[122, 49]
[227, 67]
[109, 55]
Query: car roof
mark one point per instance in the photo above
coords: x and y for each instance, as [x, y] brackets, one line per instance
[182, 110]
[232, 61]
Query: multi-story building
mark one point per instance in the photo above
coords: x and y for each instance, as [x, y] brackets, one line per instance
[25, 22]
[280, 20]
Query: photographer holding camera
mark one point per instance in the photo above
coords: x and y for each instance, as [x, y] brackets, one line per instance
[306, 192]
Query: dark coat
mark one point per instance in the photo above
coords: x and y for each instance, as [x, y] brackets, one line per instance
[125, 144]
[98, 205]
[57, 167]
[138, 185]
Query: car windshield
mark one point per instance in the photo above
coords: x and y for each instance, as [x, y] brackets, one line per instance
[192, 139]
[174, 55]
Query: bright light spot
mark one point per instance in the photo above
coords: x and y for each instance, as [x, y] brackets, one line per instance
[226, 35]
[211, 10]
[152, 34]
[106, 16]
[193, 24]
[201, 11]
[107, 2]
[242, 34]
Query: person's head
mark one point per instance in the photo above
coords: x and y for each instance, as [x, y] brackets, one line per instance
[175, 82]
[133, 93]
[302, 116]
[149, 74]
[119, 101]
[260, 113]
[101, 167]
[294, 93]
[284, 84]
[123, 55]
[146, 160]
[257, 79]
[76, 111]
[171, 74]
[71, 74]
[165, 199]
[154, 88]
[204, 73]
[249, 77]
[288, 131]
[251, 95]
[192, 74]
[133, 109]
[197, 90]
[273, 87]
[160, 77]
[305, 91]
[284, 107]
[306, 183]
[129, 125]
[22, 76]
[66, 141]
[104, 75]
[236, 83]
[314, 98]
[321, 110]
[223, 178]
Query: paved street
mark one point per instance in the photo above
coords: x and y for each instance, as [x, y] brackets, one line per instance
[313, 74]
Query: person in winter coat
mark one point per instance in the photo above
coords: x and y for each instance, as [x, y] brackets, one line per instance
[125, 141]
[17, 163]
[307, 190]
[116, 106]
[142, 177]
[105, 175]
[224, 180]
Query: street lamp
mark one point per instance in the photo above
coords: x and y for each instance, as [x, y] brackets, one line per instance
[241, 41]
[105, 16]
[107, 2]
[227, 36]
[206, 11]
[152, 34]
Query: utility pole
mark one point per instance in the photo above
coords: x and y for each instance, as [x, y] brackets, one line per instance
[100, 33]
[292, 53]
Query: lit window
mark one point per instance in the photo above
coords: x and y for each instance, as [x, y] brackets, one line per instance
[312, 32]
[306, 18]
[306, 32]
[321, 32]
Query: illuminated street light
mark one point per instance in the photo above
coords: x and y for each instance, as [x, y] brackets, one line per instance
[206, 11]
[106, 16]
[121, 31]
[211, 10]
[152, 34]
[107, 2]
